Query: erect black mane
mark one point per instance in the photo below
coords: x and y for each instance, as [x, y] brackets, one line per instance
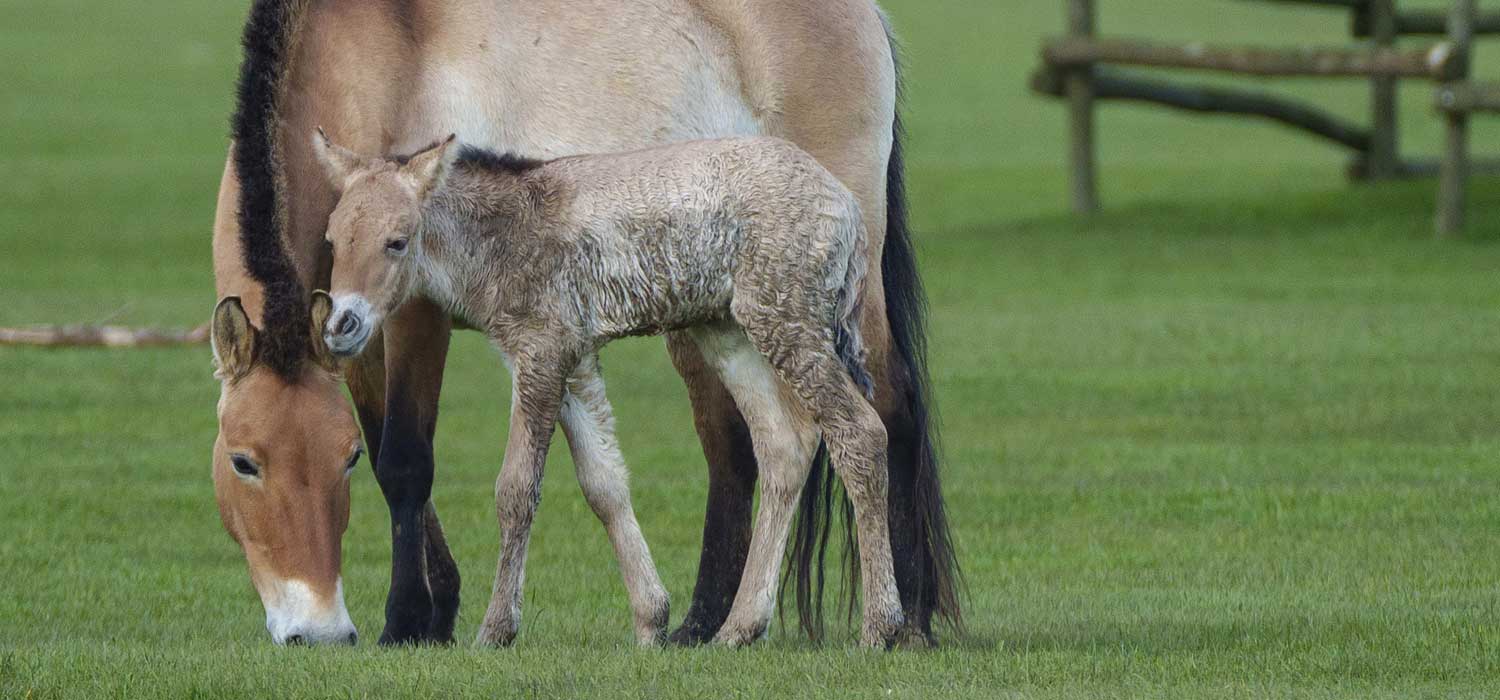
[485, 159]
[285, 335]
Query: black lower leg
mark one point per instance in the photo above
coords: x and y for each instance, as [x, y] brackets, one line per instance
[404, 471]
[914, 575]
[726, 534]
[408, 606]
[442, 580]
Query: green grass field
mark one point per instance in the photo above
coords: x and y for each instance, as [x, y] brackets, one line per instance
[1236, 437]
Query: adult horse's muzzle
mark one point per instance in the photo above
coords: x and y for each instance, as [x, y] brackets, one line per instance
[349, 326]
[297, 615]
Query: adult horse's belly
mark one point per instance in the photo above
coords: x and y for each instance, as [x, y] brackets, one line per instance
[552, 78]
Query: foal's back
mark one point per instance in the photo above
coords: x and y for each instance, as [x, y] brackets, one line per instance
[758, 179]
[679, 228]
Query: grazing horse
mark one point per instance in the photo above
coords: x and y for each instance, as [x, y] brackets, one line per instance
[547, 78]
[749, 246]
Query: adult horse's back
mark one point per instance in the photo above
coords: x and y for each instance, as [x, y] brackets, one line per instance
[545, 78]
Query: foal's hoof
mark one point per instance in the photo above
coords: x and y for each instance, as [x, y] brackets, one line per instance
[882, 632]
[651, 638]
[735, 636]
[497, 634]
[651, 627]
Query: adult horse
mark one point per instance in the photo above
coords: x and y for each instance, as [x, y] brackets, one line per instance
[546, 78]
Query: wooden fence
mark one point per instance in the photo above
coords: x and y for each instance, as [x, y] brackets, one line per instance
[1081, 68]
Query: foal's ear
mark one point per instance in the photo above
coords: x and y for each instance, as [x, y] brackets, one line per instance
[338, 162]
[233, 339]
[428, 168]
[322, 308]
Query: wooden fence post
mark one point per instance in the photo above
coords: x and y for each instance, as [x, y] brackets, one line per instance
[1383, 159]
[1455, 167]
[1078, 86]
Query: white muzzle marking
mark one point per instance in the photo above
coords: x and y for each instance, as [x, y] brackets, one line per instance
[347, 342]
[295, 615]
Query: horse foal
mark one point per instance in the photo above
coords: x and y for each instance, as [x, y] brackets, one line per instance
[747, 247]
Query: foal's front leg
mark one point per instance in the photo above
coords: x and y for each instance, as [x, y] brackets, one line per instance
[590, 426]
[536, 393]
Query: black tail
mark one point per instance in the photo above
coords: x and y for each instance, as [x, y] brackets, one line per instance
[914, 451]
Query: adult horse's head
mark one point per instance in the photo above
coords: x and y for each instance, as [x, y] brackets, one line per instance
[286, 447]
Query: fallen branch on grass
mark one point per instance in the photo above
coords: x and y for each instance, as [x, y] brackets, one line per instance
[101, 336]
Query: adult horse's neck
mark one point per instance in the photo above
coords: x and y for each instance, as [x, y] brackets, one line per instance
[300, 72]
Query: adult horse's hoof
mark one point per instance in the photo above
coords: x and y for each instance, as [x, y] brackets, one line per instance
[690, 635]
[398, 638]
[910, 637]
[426, 634]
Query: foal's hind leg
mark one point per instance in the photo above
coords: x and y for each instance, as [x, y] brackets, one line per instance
[856, 440]
[784, 439]
[589, 425]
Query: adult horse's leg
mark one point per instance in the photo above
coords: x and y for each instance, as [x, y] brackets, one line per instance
[893, 327]
[423, 600]
[927, 571]
[365, 377]
[731, 489]
[442, 578]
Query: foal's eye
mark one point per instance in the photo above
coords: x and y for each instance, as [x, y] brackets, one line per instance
[396, 245]
[243, 466]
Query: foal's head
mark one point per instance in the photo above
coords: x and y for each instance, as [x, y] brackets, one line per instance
[374, 231]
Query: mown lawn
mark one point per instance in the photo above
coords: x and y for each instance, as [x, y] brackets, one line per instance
[1236, 437]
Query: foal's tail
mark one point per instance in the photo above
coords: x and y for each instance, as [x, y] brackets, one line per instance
[847, 339]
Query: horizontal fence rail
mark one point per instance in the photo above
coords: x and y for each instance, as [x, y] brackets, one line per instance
[1081, 68]
[1434, 63]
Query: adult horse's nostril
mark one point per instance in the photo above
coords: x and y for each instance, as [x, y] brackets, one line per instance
[347, 324]
[295, 640]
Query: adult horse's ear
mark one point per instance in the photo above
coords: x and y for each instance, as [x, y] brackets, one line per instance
[338, 162]
[233, 339]
[428, 168]
[322, 308]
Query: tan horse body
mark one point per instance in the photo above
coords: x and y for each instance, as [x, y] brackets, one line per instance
[544, 78]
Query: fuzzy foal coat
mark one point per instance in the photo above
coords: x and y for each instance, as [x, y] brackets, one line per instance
[652, 241]
[748, 245]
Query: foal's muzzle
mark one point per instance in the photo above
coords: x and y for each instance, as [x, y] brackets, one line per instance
[349, 326]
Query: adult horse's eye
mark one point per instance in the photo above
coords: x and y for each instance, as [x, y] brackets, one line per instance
[396, 245]
[353, 460]
[243, 466]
